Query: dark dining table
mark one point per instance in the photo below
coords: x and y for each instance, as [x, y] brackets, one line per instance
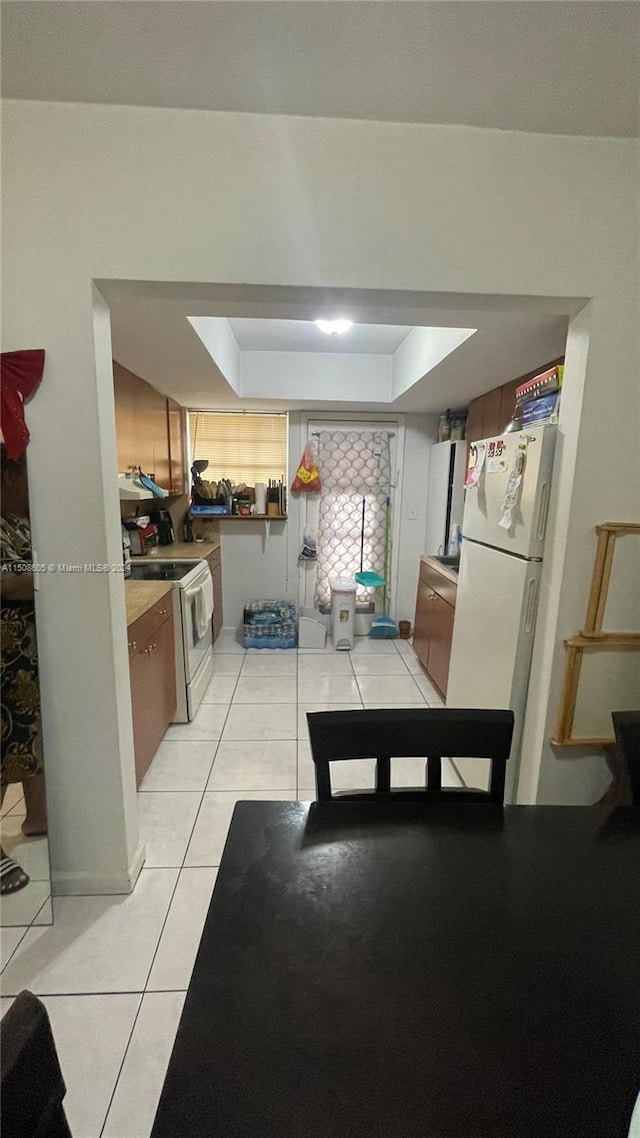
[391, 970]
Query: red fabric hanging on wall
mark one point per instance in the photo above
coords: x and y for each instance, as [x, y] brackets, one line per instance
[20, 375]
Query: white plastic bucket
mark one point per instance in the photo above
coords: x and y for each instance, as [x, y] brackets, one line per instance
[312, 629]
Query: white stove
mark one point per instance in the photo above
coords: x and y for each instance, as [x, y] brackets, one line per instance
[192, 601]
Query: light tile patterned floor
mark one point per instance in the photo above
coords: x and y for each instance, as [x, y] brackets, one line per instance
[113, 971]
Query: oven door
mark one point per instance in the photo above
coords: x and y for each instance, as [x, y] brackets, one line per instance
[196, 643]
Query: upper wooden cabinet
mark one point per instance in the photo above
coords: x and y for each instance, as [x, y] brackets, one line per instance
[490, 414]
[149, 430]
[177, 468]
[507, 403]
[487, 414]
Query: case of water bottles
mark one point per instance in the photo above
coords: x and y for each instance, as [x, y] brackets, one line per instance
[270, 624]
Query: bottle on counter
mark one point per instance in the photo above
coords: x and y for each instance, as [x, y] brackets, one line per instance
[187, 528]
[444, 427]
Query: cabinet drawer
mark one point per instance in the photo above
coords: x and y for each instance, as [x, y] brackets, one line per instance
[146, 625]
[442, 585]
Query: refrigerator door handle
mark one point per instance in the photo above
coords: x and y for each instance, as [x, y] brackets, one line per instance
[543, 510]
[530, 611]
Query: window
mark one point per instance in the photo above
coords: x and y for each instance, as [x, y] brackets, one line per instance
[245, 447]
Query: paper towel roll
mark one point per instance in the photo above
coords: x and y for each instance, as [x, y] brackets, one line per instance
[260, 490]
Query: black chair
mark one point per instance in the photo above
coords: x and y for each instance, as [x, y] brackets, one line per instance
[31, 1082]
[435, 733]
[626, 725]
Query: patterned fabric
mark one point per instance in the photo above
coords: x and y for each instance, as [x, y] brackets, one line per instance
[20, 690]
[354, 466]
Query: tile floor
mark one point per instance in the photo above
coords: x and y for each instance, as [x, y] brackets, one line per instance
[33, 904]
[113, 971]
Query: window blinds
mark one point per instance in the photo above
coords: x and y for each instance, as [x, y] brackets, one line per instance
[244, 447]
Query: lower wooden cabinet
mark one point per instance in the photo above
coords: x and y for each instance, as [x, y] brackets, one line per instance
[433, 625]
[215, 565]
[441, 635]
[152, 673]
[421, 624]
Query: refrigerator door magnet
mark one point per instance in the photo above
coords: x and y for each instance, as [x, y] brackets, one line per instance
[514, 485]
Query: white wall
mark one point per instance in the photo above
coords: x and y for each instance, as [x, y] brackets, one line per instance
[254, 566]
[220, 342]
[94, 192]
[257, 564]
[421, 351]
[347, 376]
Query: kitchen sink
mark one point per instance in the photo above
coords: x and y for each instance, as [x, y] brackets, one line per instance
[450, 562]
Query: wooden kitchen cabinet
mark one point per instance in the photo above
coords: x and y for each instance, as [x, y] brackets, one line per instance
[507, 403]
[473, 428]
[149, 430]
[176, 428]
[433, 624]
[441, 619]
[152, 672]
[491, 422]
[421, 624]
[215, 565]
[490, 414]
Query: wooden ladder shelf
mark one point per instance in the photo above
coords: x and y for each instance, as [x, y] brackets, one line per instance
[592, 637]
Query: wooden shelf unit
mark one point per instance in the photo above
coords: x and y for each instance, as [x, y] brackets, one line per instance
[238, 517]
[593, 637]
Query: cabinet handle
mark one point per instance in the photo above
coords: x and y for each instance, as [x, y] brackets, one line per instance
[162, 612]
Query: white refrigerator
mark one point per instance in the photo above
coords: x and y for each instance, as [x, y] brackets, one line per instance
[445, 494]
[498, 584]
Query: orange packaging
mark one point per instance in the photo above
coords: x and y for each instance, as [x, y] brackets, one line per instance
[307, 477]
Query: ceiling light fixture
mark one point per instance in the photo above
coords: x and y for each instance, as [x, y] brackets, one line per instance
[334, 327]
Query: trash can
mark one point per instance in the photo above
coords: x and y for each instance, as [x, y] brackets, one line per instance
[343, 611]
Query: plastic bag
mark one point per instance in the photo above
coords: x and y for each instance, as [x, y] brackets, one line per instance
[307, 477]
[309, 551]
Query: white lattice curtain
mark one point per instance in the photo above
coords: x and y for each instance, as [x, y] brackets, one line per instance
[355, 467]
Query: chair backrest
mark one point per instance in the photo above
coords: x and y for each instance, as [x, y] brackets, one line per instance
[434, 733]
[31, 1083]
[626, 725]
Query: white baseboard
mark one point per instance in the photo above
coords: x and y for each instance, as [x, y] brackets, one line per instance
[88, 884]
